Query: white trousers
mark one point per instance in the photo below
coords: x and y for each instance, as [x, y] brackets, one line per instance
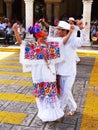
[66, 83]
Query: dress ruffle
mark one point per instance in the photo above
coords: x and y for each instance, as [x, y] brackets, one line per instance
[49, 111]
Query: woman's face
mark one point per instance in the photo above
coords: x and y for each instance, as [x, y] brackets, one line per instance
[45, 33]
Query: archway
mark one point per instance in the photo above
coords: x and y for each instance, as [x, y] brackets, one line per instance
[94, 14]
[39, 9]
[17, 10]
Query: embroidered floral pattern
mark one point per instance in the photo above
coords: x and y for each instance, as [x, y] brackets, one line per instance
[45, 89]
[33, 51]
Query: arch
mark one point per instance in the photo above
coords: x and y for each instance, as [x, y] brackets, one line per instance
[39, 9]
[17, 10]
[94, 13]
[74, 8]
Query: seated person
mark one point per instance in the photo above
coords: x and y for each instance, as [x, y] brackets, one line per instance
[22, 31]
[9, 32]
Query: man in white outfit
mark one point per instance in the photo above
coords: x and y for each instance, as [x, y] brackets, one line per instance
[67, 69]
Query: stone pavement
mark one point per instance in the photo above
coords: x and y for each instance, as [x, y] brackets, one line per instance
[18, 109]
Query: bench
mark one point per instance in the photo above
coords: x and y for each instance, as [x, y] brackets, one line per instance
[2, 36]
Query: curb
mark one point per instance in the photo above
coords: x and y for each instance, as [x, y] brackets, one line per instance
[10, 49]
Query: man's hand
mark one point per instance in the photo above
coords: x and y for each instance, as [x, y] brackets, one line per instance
[80, 24]
[72, 28]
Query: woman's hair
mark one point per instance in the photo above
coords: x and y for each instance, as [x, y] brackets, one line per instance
[36, 30]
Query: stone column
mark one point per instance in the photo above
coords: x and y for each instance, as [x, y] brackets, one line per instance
[9, 8]
[87, 4]
[49, 11]
[29, 13]
[56, 10]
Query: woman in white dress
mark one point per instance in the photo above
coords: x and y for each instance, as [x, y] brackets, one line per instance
[42, 57]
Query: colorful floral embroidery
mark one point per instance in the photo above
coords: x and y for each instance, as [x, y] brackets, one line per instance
[33, 51]
[44, 89]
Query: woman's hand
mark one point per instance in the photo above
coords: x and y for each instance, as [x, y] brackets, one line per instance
[15, 29]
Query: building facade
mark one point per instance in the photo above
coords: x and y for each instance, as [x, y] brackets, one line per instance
[28, 11]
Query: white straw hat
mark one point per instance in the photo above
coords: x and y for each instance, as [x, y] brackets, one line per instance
[63, 25]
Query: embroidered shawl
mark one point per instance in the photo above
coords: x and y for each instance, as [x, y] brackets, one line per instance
[32, 54]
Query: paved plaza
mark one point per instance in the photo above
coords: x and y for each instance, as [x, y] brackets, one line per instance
[18, 110]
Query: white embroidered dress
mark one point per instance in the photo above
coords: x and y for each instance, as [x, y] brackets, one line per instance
[44, 77]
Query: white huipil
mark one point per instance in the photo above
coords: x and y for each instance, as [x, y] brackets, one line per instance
[44, 80]
[67, 70]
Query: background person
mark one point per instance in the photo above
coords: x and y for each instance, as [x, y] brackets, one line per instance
[52, 29]
[9, 33]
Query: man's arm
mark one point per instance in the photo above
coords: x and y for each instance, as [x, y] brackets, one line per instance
[68, 35]
[45, 23]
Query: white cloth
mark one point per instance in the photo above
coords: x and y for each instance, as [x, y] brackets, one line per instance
[9, 30]
[49, 112]
[66, 97]
[1, 27]
[76, 29]
[52, 31]
[40, 73]
[21, 31]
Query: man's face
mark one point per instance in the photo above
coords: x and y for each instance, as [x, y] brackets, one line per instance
[71, 22]
[61, 32]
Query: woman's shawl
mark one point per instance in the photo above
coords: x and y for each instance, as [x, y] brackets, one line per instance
[32, 54]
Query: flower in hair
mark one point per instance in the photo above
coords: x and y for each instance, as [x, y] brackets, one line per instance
[36, 30]
[31, 30]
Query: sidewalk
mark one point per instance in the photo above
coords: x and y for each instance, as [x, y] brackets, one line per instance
[18, 109]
